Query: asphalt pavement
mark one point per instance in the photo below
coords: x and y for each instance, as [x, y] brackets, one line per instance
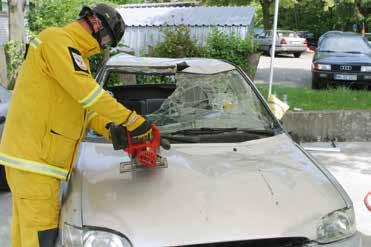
[351, 167]
[288, 71]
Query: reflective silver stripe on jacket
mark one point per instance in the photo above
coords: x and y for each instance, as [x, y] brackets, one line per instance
[33, 166]
[35, 42]
[92, 97]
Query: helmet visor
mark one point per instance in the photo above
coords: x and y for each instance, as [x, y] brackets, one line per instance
[106, 38]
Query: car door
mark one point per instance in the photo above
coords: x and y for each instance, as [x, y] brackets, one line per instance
[267, 40]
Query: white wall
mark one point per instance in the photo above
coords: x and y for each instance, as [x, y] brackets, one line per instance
[4, 34]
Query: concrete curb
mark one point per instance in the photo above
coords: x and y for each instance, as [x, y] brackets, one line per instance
[329, 125]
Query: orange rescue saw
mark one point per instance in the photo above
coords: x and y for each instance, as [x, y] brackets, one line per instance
[145, 153]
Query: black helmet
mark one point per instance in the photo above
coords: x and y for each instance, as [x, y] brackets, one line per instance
[112, 22]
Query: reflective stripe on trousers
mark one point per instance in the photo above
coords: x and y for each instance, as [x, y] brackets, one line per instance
[33, 166]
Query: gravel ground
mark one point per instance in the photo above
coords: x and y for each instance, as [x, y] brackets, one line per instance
[288, 71]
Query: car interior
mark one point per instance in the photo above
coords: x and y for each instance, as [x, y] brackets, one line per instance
[144, 94]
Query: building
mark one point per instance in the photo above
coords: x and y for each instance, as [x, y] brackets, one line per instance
[4, 33]
[144, 22]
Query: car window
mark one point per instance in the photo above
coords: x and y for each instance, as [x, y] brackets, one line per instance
[186, 100]
[221, 100]
[287, 34]
[345, 44]
[117, 79]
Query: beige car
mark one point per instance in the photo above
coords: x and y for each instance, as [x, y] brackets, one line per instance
[288, 42]
[233, 177]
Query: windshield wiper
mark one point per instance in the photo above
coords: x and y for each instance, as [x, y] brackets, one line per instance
[202, 131]
[353, 52]
[213, 131]
[326, 51]
[182, 139]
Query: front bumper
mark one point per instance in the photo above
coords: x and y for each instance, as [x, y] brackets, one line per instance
[329, 76]
[290, 49]
[354, 241]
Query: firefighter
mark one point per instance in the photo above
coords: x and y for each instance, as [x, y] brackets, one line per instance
[54, 100]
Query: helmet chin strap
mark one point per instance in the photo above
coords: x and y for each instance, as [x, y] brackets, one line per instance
[95, 34]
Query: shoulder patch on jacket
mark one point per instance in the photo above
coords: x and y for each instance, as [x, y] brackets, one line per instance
[77, 60]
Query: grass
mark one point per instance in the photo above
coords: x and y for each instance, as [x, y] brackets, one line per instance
[330, 99]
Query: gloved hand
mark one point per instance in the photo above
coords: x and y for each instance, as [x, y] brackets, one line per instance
[139, 128]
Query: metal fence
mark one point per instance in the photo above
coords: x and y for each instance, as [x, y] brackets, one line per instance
[141, 38]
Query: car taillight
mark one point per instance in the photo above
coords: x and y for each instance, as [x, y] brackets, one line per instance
[367, 201]
[306, 42]
[283, 42]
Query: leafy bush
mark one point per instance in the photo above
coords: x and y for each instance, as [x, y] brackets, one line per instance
[14, 51]
[232, 48]
[177, 43]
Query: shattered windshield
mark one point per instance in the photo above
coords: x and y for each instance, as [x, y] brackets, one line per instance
[222, 100]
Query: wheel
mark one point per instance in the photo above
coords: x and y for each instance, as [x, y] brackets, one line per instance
[3, 184]
[317, 84]
[270, 51]
[297, 54]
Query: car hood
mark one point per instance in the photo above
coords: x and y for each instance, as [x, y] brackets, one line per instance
[265, 188]
[342, 58]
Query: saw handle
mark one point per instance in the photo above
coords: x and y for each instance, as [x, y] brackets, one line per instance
[154, 143]
[119, 137]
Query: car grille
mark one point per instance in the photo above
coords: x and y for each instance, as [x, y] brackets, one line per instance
[274, 242]
[346, 68]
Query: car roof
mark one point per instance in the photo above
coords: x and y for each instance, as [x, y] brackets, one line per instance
[339, 33]
[281, 31]
[195, 65]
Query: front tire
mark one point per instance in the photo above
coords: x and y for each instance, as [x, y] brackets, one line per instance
[297, 54]
[3, 183]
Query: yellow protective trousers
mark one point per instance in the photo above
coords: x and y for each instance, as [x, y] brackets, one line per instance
[35, 207]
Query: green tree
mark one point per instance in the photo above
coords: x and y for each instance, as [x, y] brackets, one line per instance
[354, 11]
[319, 16]
[46, 13]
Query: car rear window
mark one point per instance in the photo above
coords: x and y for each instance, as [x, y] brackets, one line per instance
[288, 34]
[117, 79]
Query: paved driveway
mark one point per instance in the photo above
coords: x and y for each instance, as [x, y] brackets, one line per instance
[289, 71]
[351, 167]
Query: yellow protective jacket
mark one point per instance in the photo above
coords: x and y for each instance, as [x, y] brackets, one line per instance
[54, 100]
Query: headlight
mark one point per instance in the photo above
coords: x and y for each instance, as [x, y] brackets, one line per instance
[91, 237]
[71, 236]
[365, 68]
[336, 226]
[318, 66]
[101, 238]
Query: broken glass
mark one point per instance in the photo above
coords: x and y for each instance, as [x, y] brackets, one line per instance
[216, 101]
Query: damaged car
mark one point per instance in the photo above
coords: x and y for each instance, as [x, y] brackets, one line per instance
[232, 177]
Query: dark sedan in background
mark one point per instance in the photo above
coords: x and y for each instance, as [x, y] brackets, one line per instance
[342, 58]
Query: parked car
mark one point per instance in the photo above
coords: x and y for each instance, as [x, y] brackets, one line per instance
[368, 37]
[342, 58]
[233, 176]
[5, 96]
[311, 39]
[287, 42]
